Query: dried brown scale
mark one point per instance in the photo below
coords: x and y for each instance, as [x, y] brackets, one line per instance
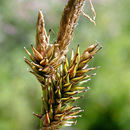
[60, 78]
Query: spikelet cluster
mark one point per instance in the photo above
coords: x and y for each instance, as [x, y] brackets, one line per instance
[58, 76]
[44, 62]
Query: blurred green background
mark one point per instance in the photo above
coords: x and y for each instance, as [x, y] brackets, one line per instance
[107, 104]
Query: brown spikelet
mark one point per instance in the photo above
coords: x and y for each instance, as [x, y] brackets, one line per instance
[41, 35]
[58, 76]
[68, 21]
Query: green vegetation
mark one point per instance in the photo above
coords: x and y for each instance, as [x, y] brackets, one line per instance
[107, 104]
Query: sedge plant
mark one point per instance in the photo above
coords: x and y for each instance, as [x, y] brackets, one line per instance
[59, 77]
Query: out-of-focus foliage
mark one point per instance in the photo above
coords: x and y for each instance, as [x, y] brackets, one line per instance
[107, 104]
